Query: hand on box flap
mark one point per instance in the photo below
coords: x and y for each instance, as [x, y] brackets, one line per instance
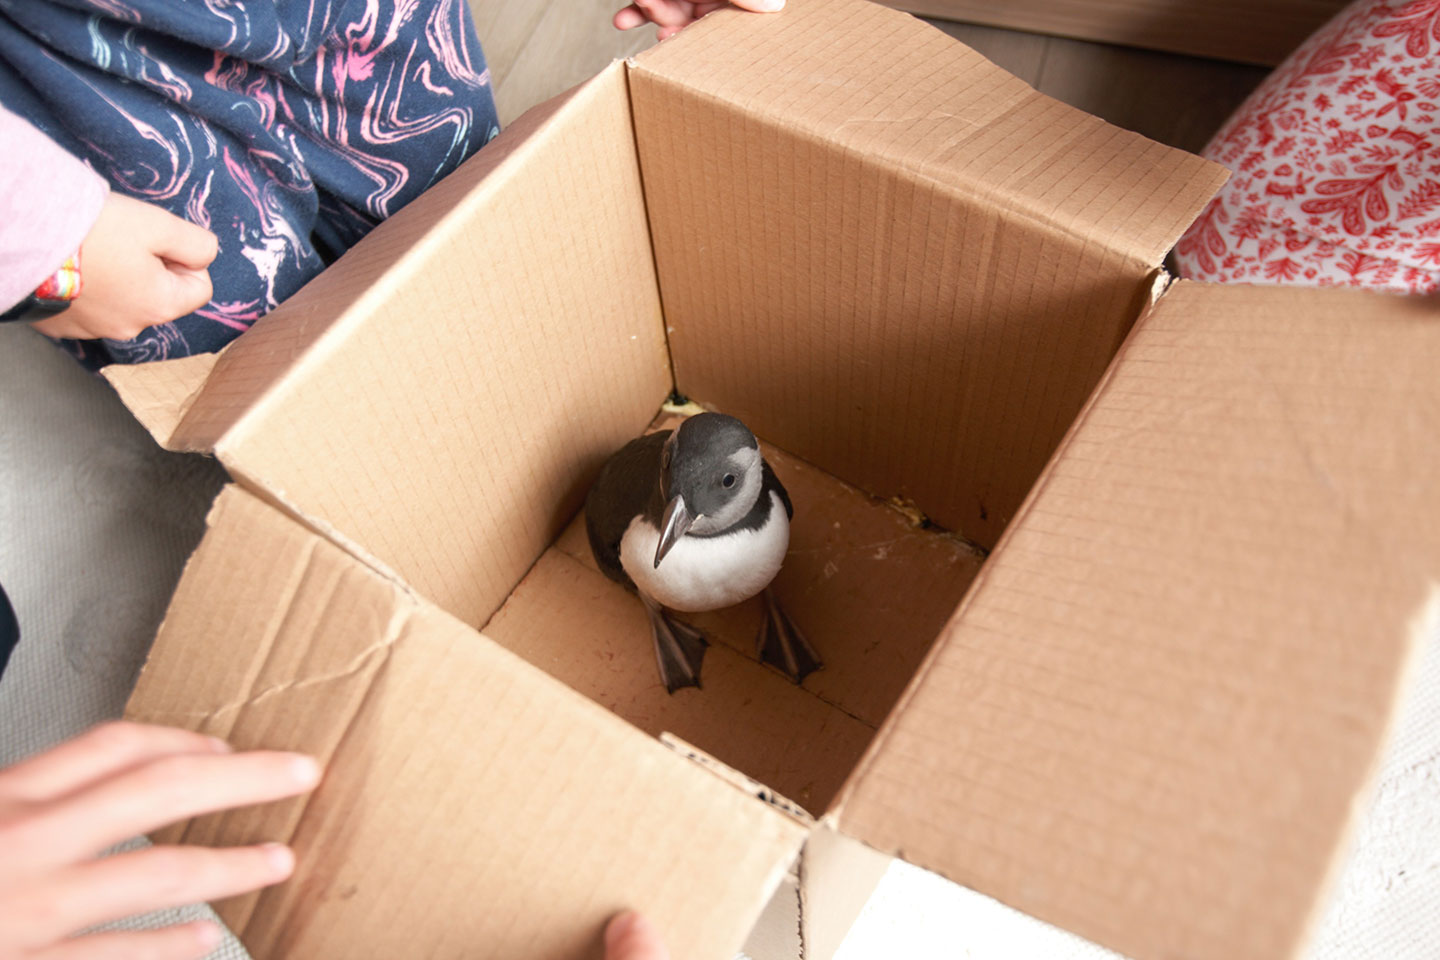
[672, 16]
[694, 519]
[59, 809]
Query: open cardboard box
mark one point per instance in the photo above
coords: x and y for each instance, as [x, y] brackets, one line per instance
[1151, 718]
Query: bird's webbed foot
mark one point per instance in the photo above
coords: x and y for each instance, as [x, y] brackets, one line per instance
[782, 645]
[679, 647]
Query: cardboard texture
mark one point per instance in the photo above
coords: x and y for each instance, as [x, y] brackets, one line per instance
[435, 343]
[1261, 32]
[869, 588]
[960, 258]
[489, 839]
[906, 271]
[1187, 649]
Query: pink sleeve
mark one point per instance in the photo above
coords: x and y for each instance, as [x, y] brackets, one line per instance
[48, 202]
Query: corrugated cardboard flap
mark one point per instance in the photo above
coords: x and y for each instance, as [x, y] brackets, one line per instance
[159, 394]
[869, 237]
[441, 396]
[472, 806]
[1155, 717]
[1243, 30]
[193, 403]
[894, 90]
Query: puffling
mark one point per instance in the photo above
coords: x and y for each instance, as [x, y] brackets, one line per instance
[694, 519]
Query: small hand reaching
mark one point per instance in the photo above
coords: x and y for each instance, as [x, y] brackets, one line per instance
[62, 807]
[672, 16]
[140, 265]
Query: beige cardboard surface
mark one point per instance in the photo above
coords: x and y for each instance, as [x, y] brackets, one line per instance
[1154, 718]
[890, 257]
[422, 272]
[870, 588]
[448, 432]
[1251, 31]
[480, 804]
[591, 634]
[431, 397]
[160, 394]
[909, 269]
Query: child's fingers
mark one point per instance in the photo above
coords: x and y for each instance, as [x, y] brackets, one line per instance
[96, 754]
[189, 290]
[158, 793]
[154, 230]
[671, 15]
[629, 18]
[153, 878]
[189, 941]
[186, 244]
[667, 13]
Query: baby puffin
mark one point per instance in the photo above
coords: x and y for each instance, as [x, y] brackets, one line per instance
[694, 519]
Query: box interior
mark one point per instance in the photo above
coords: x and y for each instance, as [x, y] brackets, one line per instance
[870, 588]
[906, 271]
[890, 338]
[907, 296]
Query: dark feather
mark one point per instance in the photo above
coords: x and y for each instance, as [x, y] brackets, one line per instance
[626, 485]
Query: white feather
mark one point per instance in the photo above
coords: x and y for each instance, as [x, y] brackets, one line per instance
[707, 573]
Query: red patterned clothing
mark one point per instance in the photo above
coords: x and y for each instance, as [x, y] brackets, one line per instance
[1335, 161]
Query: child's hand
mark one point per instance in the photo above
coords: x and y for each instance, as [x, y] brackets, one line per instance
[62, 807]
[629, 936]
[672, 16]
[139, 266]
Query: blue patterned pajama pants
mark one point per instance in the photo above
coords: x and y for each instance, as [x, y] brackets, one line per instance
[289, 128]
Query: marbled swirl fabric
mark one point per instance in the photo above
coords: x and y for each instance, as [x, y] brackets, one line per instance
[287, 127]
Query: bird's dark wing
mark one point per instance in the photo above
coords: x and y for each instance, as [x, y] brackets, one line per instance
[772, 482]
[625, 486]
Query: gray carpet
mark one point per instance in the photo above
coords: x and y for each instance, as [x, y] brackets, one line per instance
[95, 525]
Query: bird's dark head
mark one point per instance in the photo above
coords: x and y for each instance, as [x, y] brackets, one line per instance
[711, 473]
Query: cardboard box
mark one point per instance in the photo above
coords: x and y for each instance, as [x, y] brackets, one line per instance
[1151, 719]
[1263, 32]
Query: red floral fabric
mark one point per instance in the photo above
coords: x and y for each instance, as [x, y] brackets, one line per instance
[1335, 161]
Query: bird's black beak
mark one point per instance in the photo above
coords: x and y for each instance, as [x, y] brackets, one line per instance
[673, 525]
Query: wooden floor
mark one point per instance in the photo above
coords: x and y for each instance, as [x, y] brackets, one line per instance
[538, 48]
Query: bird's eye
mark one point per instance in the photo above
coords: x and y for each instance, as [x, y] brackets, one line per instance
[728, 480]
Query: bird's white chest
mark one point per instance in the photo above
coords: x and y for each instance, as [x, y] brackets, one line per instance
[707, 573]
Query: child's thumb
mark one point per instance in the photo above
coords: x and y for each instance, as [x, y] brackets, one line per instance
[190, 289]
[760, 6]
[188, 245]
[630, 936]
